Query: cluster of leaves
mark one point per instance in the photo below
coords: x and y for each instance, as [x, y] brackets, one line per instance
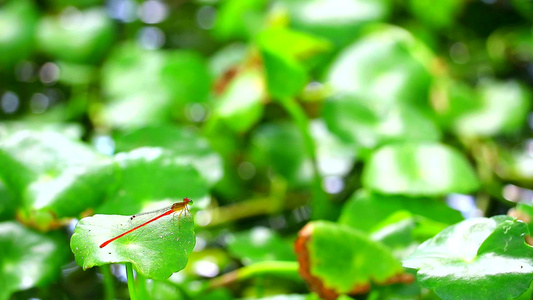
[318, 139]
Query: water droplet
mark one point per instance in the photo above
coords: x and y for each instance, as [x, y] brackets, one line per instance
[76, 248]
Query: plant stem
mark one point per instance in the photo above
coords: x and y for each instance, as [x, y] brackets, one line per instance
[322, 208]
[251, 208]
[109, 290]
[281, 269]
[131, 282]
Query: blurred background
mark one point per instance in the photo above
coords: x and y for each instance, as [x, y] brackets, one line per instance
[268, 114]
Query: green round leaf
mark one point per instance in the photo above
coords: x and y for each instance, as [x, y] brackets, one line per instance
[358, 123]
[183, 141]
[337, 20]
[76, 36]
[52, 172]
[366, 211]
[383, 67]
[156, 250]
[419, 169]
[29, 258]
[476, 259]
[153, 176]
[344, 257]
[152, 87]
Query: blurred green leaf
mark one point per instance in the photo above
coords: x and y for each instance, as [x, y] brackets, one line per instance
[151, 177]
[76, 36]
[357, 123]
[239, 19]
[156, 250]
[334, 157]
[525, 8]
[285, 77]
[259, 244]
[511, 45]
[477, 258]
[280, 146]
[240, 105]
[226, 58]
[52, 172]
[419, 169]
[385, 66]
[185, 74]
[184, 142]
[436, 14]
[29, 258]
[343, 257]
[337, 20]
[503, 109]
[8, 203]
[367, 211]
[283, 52]
[152, 87]
[76, 74]
[290, 44]
[18, 20]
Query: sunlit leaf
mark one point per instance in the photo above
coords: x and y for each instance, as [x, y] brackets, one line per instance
[184, 142]
[383, 67]
[152, 87]
[357, 123]
[419, 169]
[53, 173]
[153, 176]
[76, 36]
[156, 250]
[240, 106]
[367, 211]
[29, 258]
[477, 258]
[503, 109]
[337, 20]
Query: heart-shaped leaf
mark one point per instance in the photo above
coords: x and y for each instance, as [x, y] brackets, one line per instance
[156, 250]
[478, 258]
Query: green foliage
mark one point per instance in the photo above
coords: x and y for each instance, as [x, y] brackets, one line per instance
[81, 37]
[28, 258]
[345, 258]
[259, 244]
[16, 42]
[156, 250]
[323, 142]
[477, 258]
[419, 169]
